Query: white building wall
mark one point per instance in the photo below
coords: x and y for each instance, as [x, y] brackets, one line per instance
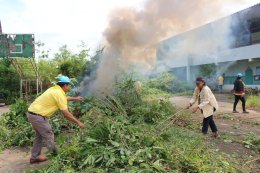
[247, 52]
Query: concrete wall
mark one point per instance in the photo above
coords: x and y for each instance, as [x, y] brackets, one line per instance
[228, 88]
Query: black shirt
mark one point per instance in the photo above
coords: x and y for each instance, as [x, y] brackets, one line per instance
[239, 86]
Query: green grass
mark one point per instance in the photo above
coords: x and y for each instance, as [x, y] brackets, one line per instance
[231, 97]
[253, 101]
[226, 116]
[252, 141]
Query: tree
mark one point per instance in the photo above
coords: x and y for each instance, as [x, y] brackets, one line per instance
[40, 51]
[65, 62]
[167, 82]
[9, 85]
[208, 70]
[48, 70]
[69, 63]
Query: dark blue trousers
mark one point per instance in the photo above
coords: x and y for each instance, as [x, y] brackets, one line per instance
[209, 122]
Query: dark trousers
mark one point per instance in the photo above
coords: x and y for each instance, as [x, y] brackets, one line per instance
[209, 122]
[243, 100]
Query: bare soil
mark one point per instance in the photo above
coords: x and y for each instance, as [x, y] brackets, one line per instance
[3, 109]
[225, 107]
[16, 160]
[233, 129]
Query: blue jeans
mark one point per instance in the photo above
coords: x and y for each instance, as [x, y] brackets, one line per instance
[220, 88]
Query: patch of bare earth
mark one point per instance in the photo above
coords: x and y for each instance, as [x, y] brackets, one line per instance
[16, 160]
[233, 129]
[3, 109]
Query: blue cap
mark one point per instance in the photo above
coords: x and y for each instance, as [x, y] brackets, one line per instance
[239, 75]
[63, 79]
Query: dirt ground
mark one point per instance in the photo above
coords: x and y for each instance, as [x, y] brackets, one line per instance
[16, 160]
[232, 127]
[3, 109]
[225, 107]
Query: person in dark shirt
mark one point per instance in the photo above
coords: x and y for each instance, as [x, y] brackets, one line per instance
[239, 93]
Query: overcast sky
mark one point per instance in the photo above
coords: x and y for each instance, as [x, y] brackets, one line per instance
[58, 22]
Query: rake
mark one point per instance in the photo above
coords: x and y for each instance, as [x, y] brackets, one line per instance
[165, 124]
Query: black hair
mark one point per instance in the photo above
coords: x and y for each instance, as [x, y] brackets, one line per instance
[62, 84]
[201, 79]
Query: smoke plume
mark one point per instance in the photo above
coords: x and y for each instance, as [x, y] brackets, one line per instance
[133, 35]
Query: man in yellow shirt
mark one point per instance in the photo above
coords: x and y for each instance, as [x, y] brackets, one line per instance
[42, 109]
[220, 83]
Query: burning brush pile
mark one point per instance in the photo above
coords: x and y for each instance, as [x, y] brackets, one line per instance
[121, 135]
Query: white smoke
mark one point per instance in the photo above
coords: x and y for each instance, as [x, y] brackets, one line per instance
[132, 36]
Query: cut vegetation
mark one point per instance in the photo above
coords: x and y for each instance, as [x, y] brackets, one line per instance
[121, 136]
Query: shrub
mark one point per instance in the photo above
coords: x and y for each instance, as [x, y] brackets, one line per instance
[252, 91]
[154, 92]
[167, 82]
[22, 132]
[253, 101]
[79, 108]
[152, 111]
[208, 70]
[9, 85]
[126, 92]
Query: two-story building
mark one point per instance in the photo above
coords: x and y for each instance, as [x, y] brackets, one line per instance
[238, 33]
